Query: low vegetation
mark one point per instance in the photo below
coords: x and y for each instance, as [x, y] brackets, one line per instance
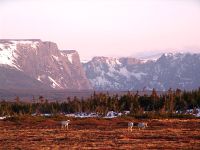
[37, 132]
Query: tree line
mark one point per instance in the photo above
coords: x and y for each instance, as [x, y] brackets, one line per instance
[101, 103]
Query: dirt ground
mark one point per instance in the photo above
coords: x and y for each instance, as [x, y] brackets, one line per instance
[45, 133]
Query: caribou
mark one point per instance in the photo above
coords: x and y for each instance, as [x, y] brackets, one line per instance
[130, 126]
[142, 125]
[65, 124]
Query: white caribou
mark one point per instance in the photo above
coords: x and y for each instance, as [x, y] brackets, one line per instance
[65, 124]
[142, 125]
[130, 126]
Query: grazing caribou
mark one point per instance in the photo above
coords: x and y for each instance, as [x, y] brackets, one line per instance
[142, 125]
[65, 124]
[130, 126]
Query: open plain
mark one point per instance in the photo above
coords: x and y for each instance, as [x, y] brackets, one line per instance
[95, 133]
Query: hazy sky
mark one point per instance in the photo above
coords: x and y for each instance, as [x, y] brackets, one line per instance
[105, 27]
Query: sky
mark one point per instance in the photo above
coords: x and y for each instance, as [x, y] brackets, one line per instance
[113, 28]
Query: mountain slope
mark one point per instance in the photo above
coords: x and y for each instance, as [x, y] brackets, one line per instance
[10, 78]
[168, 71]
[44, 62]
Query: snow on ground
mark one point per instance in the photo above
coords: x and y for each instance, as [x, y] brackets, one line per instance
[108, 115]
[112, 114]
[4, 117]
[198, 114]
[194, 112]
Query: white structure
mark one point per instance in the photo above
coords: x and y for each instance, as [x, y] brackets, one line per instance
[130, 126]
[65, 124]
[142, 125]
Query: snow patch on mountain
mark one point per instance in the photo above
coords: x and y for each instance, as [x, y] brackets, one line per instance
[100, 80]
[42, 61]
[153, 58]
[39, 78]
[70, 58]
[139, 75]
[55, 57]
[123, 71]
[8, 54]
[170, 70]
[70, 54]
[54, 83]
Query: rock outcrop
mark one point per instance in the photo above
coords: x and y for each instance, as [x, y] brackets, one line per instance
[42, 62]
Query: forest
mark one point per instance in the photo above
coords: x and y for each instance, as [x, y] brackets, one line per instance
[143, 106]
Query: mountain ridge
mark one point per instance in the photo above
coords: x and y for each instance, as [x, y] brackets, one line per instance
[43, 62]
[170, 70]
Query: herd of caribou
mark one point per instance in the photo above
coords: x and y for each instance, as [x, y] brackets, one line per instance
[142, 125]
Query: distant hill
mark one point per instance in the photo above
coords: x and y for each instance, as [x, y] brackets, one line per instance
[170, 70]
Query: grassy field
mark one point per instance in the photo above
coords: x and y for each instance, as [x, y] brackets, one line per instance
[45, 133]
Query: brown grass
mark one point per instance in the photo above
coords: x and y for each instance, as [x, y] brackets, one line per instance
[40, 133]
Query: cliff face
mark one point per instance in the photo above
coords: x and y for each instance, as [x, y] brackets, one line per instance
[170, 70]
[44, 62]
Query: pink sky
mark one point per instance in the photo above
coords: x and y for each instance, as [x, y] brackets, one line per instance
[105, 27]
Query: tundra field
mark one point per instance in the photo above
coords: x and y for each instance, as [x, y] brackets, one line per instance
[29, 132]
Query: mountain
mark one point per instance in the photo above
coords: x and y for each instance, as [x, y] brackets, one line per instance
[170, 70]
[32, 63]
[10, 78]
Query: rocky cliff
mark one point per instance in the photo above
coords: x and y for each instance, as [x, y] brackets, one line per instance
[43, 63]
[170, 70]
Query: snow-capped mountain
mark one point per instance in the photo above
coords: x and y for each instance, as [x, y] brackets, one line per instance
[37, 64]
[170, 70]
